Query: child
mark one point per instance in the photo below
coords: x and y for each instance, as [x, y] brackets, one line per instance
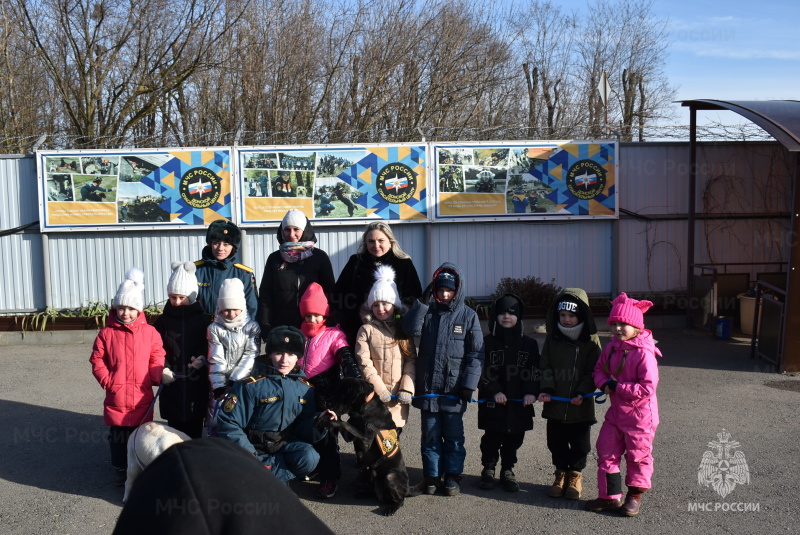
[271, 414]
[183, 327]
[127, 360]
[569, 354]
[387, 357]
[448, 369]
[510, 380]
[221, 262]
[234, 340]
[327, 357]
[627, 372]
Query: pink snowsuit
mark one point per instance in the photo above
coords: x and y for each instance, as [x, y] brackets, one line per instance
[631, 421]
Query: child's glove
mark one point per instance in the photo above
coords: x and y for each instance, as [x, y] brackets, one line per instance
[198, 362]
[385, 396]
[404, 397]
[167, 377]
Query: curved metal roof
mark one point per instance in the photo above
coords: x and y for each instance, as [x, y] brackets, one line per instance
[779, 118]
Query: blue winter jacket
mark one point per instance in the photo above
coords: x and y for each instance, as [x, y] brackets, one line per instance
[450, 349]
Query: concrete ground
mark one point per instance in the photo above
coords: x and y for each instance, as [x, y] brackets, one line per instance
[55, 476]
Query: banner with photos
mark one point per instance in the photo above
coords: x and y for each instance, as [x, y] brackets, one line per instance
[540, 179]
[101, 189]
[334, 183]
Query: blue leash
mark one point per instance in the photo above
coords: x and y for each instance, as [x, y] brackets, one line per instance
[484, 400]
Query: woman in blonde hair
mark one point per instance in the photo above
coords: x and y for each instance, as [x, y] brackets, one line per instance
[378, 247]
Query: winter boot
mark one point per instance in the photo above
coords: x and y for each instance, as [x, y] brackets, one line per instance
[429, 484]
[452, 484]
[633, 501]
[487, 479]
[558, 487]
[509, 481]
[574, 487]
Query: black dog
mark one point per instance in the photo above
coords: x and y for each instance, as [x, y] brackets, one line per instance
[374, 436]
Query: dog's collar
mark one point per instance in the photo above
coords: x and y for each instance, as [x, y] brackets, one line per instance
[369, 397]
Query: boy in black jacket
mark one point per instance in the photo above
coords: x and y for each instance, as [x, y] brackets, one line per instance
[509, 384]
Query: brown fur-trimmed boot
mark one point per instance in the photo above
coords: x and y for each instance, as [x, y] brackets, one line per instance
[558, 487]
[573, 485]
[633, 501]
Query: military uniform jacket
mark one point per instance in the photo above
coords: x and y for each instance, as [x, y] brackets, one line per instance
[210, 274]
[268, 403]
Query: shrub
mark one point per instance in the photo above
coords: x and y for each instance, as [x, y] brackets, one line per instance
[532, 290]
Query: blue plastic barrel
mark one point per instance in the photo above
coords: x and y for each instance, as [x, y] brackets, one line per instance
[722, 328]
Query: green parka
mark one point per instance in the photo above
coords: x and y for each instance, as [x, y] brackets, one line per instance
[567, 366]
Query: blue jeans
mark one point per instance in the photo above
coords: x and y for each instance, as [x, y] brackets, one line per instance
[442, 445]
[295, 459]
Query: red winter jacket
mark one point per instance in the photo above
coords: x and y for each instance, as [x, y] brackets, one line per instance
[127, 360]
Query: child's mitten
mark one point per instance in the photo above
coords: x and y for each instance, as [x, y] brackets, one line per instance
[167, 377]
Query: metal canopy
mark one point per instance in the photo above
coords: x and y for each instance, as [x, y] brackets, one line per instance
[779, 118]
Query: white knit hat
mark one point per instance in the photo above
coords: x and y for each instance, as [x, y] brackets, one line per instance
[384, 289]
[131, 292]
[231, 296]
[294, 218]
[183, 280]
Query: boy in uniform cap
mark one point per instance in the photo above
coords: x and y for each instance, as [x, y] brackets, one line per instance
[448, 369]
[272, 414]
[509, 384]
[183, 327]
[221, 262]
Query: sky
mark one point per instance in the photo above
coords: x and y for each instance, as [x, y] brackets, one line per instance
[731, 50]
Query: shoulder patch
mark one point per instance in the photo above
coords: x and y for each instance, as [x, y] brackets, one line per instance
[252, 379]
[245, 268]
[229, 403]
[199, 262]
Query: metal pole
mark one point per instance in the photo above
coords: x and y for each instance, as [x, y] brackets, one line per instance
[692, 200]
[46, 270]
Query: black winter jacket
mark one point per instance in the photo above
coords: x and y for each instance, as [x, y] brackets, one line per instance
[183, 331]
[511, 367]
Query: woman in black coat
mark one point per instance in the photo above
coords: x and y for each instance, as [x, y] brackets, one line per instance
[377, 247]
[289, 271]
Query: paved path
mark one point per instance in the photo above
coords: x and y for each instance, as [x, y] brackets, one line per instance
[55, 476]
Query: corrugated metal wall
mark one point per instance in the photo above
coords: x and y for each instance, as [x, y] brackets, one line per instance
[733, 178]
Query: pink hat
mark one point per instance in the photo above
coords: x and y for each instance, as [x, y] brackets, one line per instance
[314, 301]
[628, 311]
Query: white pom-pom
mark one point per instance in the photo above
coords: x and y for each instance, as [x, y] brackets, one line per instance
[175, 264]
[190, 267]
[384, 274]
[136, 275]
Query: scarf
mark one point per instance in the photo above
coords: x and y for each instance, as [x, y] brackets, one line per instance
[295, 252]
[312, 329]
[571, 332]
[235, 323]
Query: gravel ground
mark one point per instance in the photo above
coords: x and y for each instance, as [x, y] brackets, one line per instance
[55, 476]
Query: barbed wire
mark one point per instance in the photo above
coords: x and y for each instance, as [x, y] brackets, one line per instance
[65, 141]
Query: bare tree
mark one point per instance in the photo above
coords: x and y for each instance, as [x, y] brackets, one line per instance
[114, 62]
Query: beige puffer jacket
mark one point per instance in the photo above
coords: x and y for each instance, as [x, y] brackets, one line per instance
[385, 366]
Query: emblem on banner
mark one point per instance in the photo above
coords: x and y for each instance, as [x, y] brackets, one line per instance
[396, 183]
[200, 187]
[586, 179]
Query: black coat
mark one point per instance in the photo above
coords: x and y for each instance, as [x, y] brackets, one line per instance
[511, 367]
[356, 280]
[183, 331]
[283, 284]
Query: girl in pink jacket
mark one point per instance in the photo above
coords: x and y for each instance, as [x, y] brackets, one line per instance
[127, 360]
[628, 373]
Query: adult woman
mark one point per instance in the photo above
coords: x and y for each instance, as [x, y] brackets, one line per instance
[377, 247]
[220, 262]
[289, 271]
